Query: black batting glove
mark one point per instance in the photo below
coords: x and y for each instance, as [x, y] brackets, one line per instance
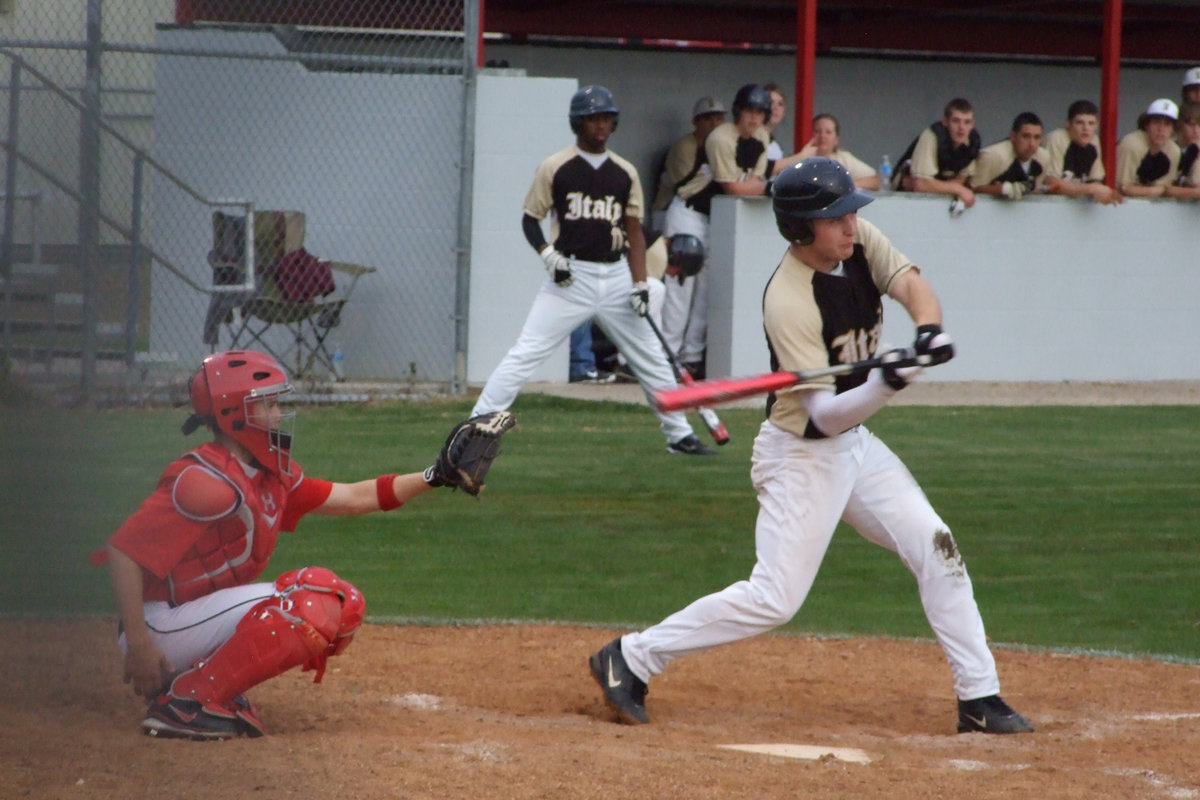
[898, 366]
[934, 343]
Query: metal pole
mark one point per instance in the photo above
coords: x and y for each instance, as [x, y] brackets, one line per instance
[10, 200]
[133, 293]
[806, 56]
[472, 25]
[1110, 82]
[89, 190]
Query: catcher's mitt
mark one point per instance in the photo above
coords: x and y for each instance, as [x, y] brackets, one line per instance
[469, 451]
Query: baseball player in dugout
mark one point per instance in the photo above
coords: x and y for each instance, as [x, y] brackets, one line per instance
[595, 266]
[938, 161]
[1148, 158]
[735, 163]
[814, 462]
[1014, 167]
[197, 627]
[1076, 168]
[686, 156]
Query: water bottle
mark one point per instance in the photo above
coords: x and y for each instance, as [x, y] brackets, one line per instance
[339, 364]
[885, 174]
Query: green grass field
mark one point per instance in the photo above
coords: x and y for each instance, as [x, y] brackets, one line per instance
[1078, 525]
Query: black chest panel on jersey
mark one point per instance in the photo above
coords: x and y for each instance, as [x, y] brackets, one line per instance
[1017, 174]
[590, 205]
[1153, 167]
[748, 152]
[1078, 160]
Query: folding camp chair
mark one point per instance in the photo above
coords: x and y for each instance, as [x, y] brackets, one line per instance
[291, 289]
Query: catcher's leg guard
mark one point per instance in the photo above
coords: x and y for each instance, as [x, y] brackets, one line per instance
[312, 616]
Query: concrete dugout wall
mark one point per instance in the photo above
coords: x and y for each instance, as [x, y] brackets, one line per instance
[1045, 289]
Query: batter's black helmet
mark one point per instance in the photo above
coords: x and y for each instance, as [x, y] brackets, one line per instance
[592, 100]
[814, 188]
[752, 97]
[686, 253]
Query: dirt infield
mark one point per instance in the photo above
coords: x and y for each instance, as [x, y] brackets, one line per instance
[512, 712]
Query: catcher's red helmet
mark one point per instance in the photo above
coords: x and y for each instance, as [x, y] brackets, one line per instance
[237, 392]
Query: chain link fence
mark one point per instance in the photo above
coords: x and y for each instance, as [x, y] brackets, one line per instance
[183, 176]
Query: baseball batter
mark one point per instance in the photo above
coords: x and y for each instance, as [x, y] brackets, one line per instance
[197, 628]
[814, 462]
[596, 267]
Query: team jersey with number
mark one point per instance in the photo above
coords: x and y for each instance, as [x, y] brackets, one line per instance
[184, 557]
[590, 196]
[814, 319]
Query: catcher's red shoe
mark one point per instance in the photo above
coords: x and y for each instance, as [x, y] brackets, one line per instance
[175, 718]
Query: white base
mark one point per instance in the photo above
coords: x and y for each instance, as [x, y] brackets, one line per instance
[805, 752]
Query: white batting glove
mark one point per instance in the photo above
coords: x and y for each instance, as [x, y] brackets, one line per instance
[558, 266]
[639, 298]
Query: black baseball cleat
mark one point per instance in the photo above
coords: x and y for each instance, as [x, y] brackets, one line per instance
[690, 446]
[173, 717]
[623, 690]
[990, 715]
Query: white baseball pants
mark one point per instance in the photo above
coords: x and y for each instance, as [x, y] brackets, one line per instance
[685, 308]
[804, 486]
[600, 292]
[193, 630]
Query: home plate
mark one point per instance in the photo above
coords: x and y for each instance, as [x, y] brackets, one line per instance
[805, 752]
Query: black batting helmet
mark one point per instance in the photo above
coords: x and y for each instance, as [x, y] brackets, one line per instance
[752, 97]
[687, 253]
[592, 100]
[814, 188]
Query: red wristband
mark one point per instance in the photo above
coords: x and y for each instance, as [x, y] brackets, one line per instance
[385, 490]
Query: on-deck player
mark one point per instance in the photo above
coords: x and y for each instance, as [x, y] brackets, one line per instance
[815, 463]
[197, 630]
[596, 266]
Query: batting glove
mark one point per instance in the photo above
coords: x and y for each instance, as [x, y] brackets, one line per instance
[639, 298]
[899, 367]
[558, 266]
[935, 343]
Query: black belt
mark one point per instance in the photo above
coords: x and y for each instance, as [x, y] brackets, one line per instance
[611, 258]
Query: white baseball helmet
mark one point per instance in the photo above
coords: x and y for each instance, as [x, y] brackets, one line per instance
[1191, 77]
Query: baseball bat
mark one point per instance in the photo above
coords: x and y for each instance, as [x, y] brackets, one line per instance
[721, 390]
[711, 420]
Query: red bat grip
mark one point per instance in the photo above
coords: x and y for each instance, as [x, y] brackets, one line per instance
[705, 393]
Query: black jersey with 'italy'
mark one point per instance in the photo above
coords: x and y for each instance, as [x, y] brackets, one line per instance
[589, 203]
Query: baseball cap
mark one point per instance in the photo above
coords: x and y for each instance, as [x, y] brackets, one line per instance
[706, 105]
[1191, 77]
[1162, 107]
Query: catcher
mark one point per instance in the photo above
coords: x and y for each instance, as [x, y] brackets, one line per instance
[197, 630]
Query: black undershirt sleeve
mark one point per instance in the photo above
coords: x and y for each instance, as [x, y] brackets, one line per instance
[533, 232]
